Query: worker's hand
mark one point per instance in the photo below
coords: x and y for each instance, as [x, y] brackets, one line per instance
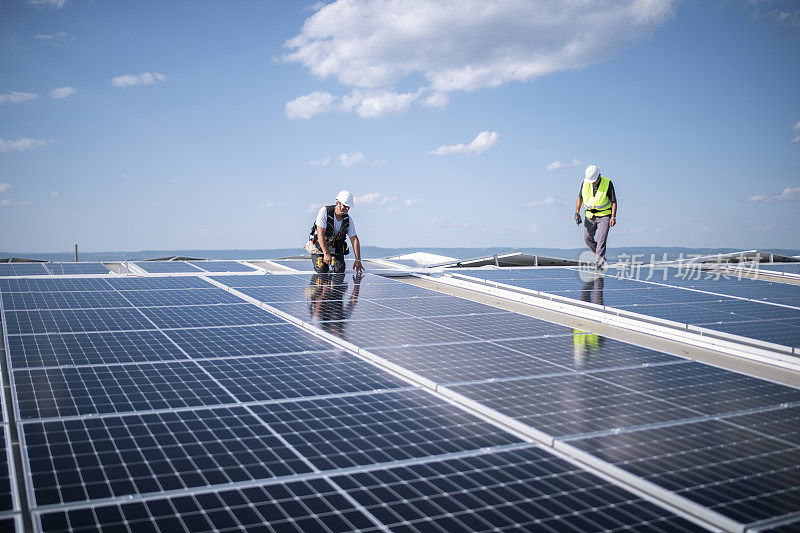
[578, 219]
[327, 258]
[612, 222]
[358, 267]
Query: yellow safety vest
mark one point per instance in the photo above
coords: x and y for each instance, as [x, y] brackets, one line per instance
[597, 204]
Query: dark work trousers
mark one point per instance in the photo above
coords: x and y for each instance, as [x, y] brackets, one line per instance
[595, 233]
[337, 263]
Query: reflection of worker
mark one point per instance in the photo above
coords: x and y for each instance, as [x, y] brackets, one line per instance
[326, 301]
[598, 196]
[586, 346]
[327, 242]
[592, 290]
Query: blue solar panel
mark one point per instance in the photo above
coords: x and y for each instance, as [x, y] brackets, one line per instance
[743, 474]
[245, 340]
[23, 269]
[61, 392]
[75, 320]
[209, 315]
[31, 351]
[60, 269]
[292, 376]
[154, 283]
[116, 456]
[54, 285]
[13, 301]
[377, 428]
[6, 495]
[173, 297]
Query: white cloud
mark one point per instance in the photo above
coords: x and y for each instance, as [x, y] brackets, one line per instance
[52, 4]
[9, 203]
[55, 194]
[533, 228]
[6, 187]
[414, 201]
[22, 144]
[62, 92]
[55, 38]
[481, 143]
[16, 98]
[374, 198]
[324, 162]
[796, 139]
[371, 104]
[313, 208]
[786, 195]
[453, 45]
[145, 78]
[547, 202]
[379, 162]
[269, 205]
[349, 160]
[661, 229]
[436, 100]
[555, 165]
[309, 105]
[796, 126]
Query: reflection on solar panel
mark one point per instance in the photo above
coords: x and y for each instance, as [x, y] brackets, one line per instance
[770, 313]
[168, 403]
[164, 267]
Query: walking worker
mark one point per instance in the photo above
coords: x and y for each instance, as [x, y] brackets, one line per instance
[327, 242]
[597, 195]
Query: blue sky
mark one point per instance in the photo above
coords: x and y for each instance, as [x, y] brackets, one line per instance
[224, 125]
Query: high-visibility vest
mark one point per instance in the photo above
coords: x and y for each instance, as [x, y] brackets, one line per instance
[597, 204]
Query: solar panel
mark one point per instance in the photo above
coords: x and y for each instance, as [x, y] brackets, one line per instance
[154, 283]
[17, 301]
[223, 266]
[31, 351]
[245, 340]
[313, 505]
[64, 392]
[116, 456]
[743, 474]
[377, 428]
[252, 379]
[712, 311]
[209, 315]
[6, 494]
[165, 267]
[527, 489]
[55, 285]
[184, 297]
[75, 320]
[23, 269]
[61, 269]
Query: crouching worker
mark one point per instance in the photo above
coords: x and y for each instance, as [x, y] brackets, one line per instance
[327, 242]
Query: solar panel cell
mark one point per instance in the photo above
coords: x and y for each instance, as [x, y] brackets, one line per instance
[22, 269]
[15, 301]
[60, 269]
[6, 496]
[55, 285]
[154, 283]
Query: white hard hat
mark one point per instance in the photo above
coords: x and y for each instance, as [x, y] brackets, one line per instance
[345, 198]
[592, 173]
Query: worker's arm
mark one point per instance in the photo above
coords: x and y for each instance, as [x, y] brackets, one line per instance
[578, 204]
[357, 266]
[323, 244]
[613, 220]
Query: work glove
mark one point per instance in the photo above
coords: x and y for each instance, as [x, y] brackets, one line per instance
[578, 219]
